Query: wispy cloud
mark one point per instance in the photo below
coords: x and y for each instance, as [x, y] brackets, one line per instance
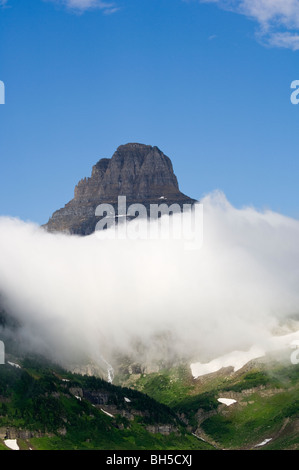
[278, 20]
[81, 6]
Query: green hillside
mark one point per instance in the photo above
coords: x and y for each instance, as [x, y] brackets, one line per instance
[45, 407]
[266, 407]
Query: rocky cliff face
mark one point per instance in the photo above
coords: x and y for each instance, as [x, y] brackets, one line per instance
[140, 172]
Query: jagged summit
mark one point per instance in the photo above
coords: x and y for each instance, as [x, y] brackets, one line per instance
[140, 172]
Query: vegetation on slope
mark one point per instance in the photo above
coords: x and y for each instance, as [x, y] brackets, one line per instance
[266, 407]
[41, 399]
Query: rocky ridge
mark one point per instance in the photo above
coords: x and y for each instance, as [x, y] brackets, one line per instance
[141, 173]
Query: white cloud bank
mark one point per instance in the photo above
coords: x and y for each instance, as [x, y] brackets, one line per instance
[278, 19]
[77, 296]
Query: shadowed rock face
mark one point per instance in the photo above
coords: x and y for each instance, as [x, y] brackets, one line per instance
[140, 172]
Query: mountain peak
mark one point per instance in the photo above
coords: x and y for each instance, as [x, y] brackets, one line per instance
[142, 173]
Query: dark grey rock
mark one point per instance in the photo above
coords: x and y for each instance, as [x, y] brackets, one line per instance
[140, 172]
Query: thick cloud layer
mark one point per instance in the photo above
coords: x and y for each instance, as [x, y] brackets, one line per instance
[85, 296]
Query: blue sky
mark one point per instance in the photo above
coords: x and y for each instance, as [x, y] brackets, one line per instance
[208, 82]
